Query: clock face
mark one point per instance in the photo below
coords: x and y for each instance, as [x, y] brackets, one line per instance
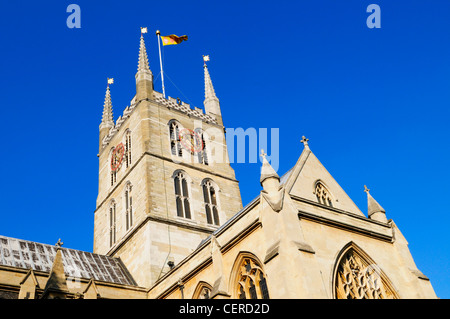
[191, 140]
[117, 157]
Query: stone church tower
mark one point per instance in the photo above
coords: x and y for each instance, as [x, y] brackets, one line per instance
[165, 182]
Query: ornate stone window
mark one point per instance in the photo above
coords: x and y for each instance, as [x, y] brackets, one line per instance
[251, 281]
[182, 195]
[175, 143]
[358, 278]
[210, 202]
[323, 195]
[112, 223]
[128, 206]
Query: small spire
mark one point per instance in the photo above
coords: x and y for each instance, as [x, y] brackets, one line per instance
[305, 140]
[209, 89]
[56, 285]
[267, 170]
[211, 102]
[143, 65]
[144, 77]
[374, 210]
[107, 117]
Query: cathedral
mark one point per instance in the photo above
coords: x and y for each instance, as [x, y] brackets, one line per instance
[170, 224]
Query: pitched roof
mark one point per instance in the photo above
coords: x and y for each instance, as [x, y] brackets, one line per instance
[283, 180]
[78, 264]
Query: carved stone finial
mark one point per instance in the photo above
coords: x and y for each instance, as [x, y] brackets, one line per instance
[59, 243]
[305, 140]
[366, 189]
[263, 154]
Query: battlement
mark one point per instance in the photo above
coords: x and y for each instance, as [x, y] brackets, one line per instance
[170, 103]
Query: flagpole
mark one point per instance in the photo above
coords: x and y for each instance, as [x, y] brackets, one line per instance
[160, 63]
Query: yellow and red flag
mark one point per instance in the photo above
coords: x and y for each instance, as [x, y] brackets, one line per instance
[173, 39]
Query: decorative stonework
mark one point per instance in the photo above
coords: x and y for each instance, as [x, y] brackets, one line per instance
[323, 195]
[357, 279]
[251, 281]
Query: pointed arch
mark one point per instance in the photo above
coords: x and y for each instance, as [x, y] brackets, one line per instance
[174, 135]
[322, 193]
[248, 279]
[357, 276]
[182, 189]
[202, 151]
[112, 222]
[127, 143]
[202, 291]
[211, 201]
[112, 172]
[128, 199]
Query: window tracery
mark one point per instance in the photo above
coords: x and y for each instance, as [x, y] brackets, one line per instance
[357, 279]
[323, 195]
[210, 201]
[182, 195]
[252, 282]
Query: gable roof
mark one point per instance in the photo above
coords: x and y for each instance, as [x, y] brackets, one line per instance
[78, 264]
[301, 180]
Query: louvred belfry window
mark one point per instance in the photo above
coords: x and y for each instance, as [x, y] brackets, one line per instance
[202, 155]
[175, 143]
[128, 148]
[182, 195]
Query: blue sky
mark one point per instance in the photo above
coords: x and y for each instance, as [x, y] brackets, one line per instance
[374, 103]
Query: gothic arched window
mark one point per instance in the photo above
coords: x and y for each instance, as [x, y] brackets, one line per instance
[128, 148]
[210, 201]
[203, 291]
[359, 278]
[112, 223]
[202, 154]
[323, 195]
[251, 280]
[112, 172]
[128, 206]
[182, 195]
[175, 143]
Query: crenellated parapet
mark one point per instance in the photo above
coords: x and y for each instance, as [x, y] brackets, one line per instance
[170, 103]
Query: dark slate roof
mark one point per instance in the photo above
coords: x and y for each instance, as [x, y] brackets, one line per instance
[77, 264]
